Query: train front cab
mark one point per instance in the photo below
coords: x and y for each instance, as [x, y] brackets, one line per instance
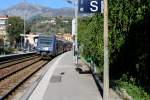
[46, 47]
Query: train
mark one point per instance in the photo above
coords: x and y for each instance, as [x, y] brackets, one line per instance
[51, 45]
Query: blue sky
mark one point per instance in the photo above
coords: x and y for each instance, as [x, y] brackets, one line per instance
[50, 3]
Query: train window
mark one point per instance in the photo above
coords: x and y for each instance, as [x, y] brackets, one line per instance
[45, 41]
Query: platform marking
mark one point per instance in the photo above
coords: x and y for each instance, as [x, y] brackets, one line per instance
[42, 86]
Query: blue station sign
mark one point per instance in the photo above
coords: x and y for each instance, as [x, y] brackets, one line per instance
[89, 6]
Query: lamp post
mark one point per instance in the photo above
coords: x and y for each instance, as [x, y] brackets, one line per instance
[75, 3]
[76, 31]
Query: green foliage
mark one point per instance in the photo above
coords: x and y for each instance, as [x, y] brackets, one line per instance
[129, 45]
[14, 28]
[10, 50]
[44, 24]
[129, 40]
[63, 25]
[133, 90]
[90, 36]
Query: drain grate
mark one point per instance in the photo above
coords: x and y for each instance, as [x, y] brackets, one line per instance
[55, 79]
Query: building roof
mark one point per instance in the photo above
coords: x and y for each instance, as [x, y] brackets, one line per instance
[3, 17]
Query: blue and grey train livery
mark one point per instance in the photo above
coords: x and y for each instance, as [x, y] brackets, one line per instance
[50, 45]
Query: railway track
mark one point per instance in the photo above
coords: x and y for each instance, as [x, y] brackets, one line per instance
[15, 61]
[14, 74]
[7, 63]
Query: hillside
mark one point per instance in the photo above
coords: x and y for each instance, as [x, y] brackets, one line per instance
[31, 10]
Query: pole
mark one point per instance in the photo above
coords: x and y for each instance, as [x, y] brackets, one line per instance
[24, 25]
[21, 43]
[76, 30]
[106, 58]
[4, 42]
[36, 4]
[73, 37]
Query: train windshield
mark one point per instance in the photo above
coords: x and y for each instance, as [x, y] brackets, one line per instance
[45, 41]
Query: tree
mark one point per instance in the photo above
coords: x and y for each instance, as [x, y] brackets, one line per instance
[90, 35]
[129, 40]
[15, 27]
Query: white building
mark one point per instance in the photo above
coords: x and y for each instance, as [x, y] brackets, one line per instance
[3, 25]
[30, 39]
[3, 20]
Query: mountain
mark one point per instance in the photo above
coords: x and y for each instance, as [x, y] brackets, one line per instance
[30, 10]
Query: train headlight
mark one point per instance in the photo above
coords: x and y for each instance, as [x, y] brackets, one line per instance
[45, 48]
[39, 48]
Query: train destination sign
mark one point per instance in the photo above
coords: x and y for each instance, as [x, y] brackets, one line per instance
[89, 6]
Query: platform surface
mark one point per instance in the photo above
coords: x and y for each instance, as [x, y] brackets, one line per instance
[64, 81]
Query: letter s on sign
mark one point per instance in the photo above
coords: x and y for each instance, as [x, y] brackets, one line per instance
[94, 6]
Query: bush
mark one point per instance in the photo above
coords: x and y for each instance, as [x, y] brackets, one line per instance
[136, 92]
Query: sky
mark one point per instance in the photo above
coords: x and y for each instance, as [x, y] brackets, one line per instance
[49, 3]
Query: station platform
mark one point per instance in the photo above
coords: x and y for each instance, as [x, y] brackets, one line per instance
[62, 81]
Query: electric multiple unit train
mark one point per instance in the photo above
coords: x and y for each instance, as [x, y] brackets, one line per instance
[50, 45]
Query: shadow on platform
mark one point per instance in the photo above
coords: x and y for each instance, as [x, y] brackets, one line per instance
[79, 68]
[83, 72]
